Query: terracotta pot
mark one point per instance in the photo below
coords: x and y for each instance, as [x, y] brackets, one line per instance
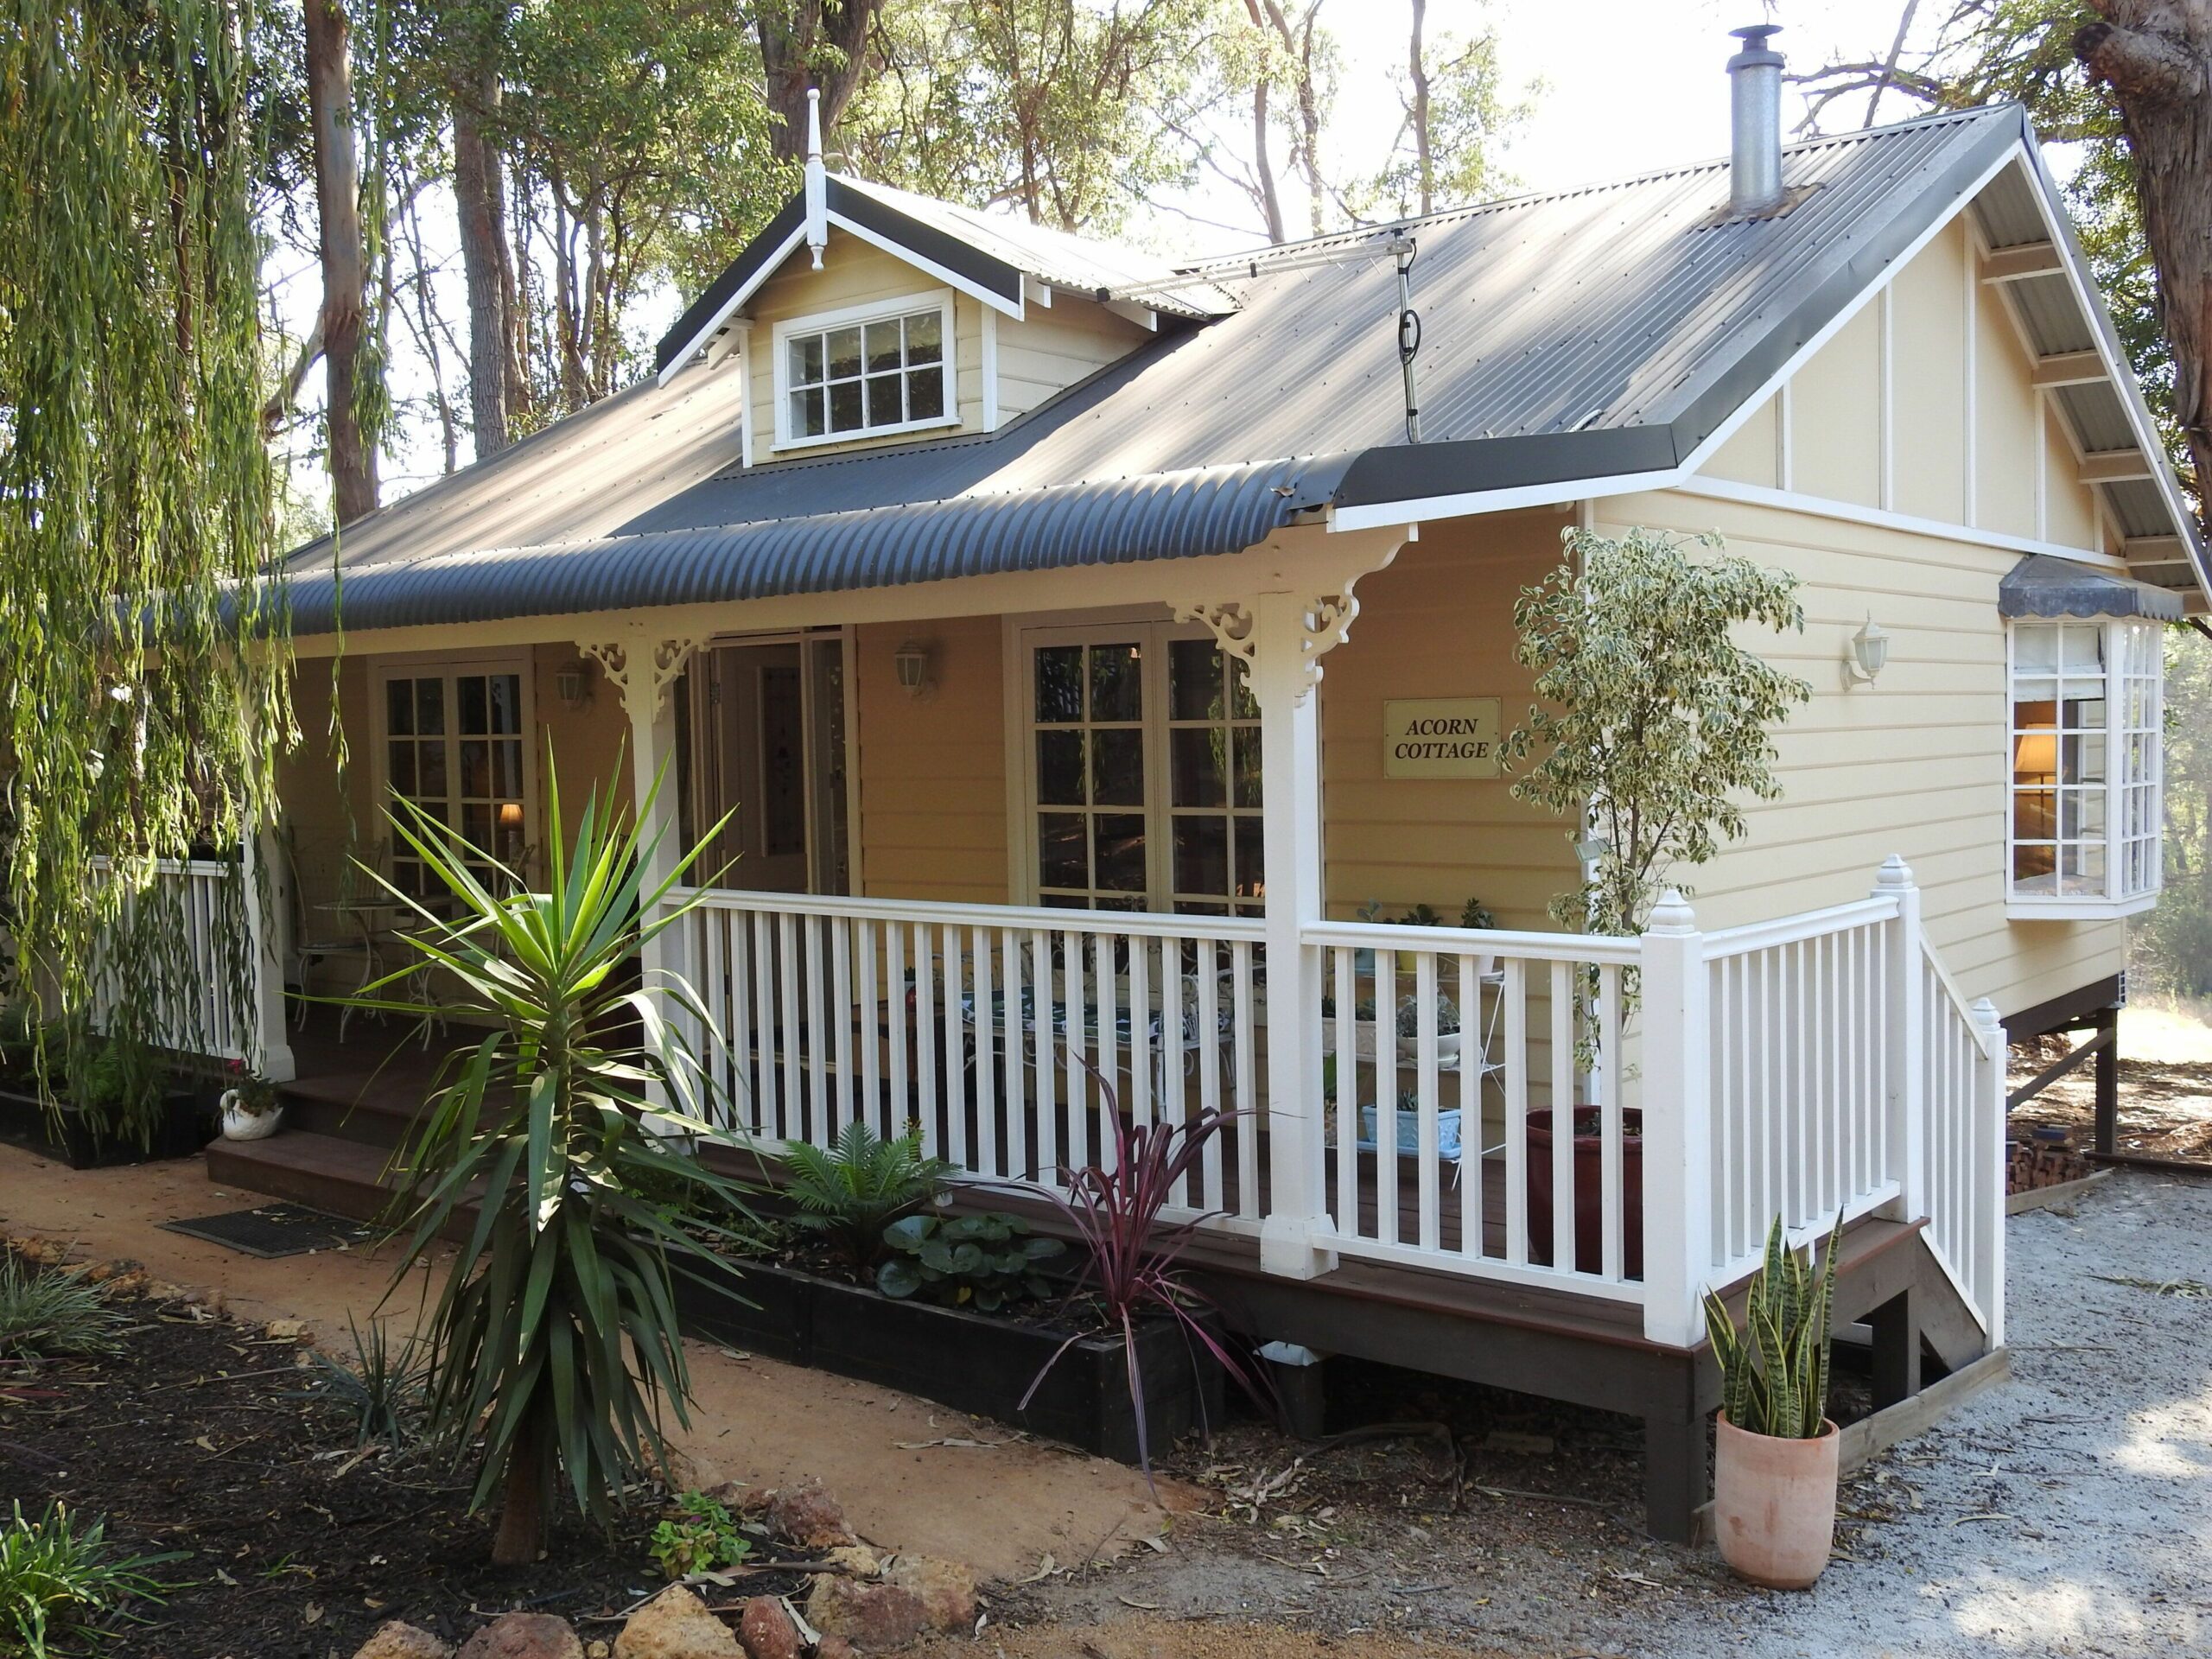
[1774, 1504]
[1589, 1194]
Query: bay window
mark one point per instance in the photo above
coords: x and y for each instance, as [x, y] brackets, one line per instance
[2086, 765]
[864, 371]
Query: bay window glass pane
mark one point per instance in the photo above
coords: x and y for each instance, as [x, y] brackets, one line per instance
[431, 708]
[809, 416]
[882, 346]
[430, 772]
[845, 410]
[925, 337]
[1247, 766]
[883, 407]
[399, 708]
[475, 769]
[842, 348]
[1251, 862]
[1194, 680]
[806, 359]
[401, 757]
[506, 703]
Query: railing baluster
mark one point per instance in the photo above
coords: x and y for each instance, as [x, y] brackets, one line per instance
[898, 1025]
[959, 1066]
[1468, 1171]
[925, 1030]
[841, 980]
[991, 1027]
[1516, 1111]
[1614, 1196]
[1077, 1140]
[1426, 1135]
[1210, 1196]
[867, 1020]
[1140, 1095]
[1108, 1017]
[1562, 1099]
[1346, 1074]
[1019, 1025]
[1248, 1128]
[1048, 1128]
[1385, 1041]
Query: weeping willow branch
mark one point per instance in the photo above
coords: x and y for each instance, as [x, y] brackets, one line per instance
[142, 632]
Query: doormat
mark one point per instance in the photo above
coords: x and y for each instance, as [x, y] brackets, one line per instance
[276, 1229]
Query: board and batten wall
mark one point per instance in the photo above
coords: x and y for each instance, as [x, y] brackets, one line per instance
[1048, 348]
[1915, 764]
[1878, 416]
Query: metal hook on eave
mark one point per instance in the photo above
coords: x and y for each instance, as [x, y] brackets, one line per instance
[818, 181]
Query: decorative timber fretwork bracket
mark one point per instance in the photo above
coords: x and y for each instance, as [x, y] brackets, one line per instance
[641, 667]
[1301, 635]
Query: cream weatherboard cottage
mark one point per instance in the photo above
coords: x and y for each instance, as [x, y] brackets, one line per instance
[1080, 639]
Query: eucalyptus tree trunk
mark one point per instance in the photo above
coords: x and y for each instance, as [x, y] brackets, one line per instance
[811, 43]
[1417, 110]
[2156, 55]
[479, 200]
[345, 276]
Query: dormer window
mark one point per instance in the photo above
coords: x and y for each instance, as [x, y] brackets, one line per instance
[864, 371]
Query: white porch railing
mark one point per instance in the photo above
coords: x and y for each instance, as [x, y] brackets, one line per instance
[1816, 1064]
[988, 1027]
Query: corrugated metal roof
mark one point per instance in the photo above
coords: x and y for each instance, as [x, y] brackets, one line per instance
[1590, 334]
[1171, 516]
[2041, 585]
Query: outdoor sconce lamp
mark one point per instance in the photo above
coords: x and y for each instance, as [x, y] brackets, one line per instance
[913, 662]
[572, 684]
[1870, 651]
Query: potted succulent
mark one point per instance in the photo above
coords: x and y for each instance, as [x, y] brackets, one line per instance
[1775, 1447]
[1447, 1029]
[1408, 1129]
[252, 1110]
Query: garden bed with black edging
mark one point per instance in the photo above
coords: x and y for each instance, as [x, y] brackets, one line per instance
[979, 1363]
[185, 1120]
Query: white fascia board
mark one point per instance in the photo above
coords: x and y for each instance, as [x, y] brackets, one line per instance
[950, 278]
[2123, 373]
[1375, 515]
[728, 308]
[1820, 506]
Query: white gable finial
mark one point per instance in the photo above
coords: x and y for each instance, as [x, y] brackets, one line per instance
[817, 179]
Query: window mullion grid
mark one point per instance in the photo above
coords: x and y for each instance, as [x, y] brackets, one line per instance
[2116, 690]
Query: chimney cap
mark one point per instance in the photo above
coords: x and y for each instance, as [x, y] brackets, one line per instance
[1757, 54]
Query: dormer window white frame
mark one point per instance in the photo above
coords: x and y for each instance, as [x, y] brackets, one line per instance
[2085, 813]
[839, 374]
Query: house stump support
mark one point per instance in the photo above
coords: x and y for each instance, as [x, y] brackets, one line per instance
[643, 665]
[1907, 1019]
[1281, 636]
[268, 1046]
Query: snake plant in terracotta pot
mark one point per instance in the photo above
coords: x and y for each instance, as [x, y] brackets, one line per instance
[1775, 1448]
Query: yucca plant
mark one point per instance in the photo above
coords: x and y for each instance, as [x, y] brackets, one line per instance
[555, 1332]
[850, 1193]
[1775, 1370]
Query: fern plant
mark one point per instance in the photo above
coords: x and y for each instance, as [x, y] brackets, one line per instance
[1775, 1370]
[850, 1193]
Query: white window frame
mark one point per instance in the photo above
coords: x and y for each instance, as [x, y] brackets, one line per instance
[451, 666]
[940, 300]
[2117, 634]
[1022, 636]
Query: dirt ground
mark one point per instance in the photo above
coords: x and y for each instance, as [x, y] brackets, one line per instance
[2069, 1513]
[2165, 1085]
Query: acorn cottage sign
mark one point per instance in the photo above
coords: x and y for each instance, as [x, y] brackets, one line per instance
[1440, 737]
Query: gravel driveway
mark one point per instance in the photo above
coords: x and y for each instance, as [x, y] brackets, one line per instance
[2067, 1513]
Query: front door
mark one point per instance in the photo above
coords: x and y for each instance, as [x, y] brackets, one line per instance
[772, 756]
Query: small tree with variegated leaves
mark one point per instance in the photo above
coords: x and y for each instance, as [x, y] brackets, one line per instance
[1653, 726]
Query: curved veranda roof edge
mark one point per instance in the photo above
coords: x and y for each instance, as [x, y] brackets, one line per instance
[1197, 514]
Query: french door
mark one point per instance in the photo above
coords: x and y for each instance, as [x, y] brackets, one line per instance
[768, 723]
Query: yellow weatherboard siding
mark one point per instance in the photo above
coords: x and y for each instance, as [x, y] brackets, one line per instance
[932, 768]
[1438, 623]
[1914, 764]
[1928, 446]
[1050, 348]
[1835, 415]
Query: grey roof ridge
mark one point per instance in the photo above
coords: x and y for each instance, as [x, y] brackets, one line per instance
[1263, 252]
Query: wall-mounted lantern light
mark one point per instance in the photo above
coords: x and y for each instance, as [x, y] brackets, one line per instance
[572, 683]
[913, 662]
[1870, 652]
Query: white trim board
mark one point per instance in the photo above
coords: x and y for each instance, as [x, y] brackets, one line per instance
[1757, 495]
[728, 308]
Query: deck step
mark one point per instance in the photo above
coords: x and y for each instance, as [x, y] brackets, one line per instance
[324, 1172]
[349, 1108]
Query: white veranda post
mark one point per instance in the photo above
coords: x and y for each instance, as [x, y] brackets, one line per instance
[1281, 638]
[265, 903]
[643, 667]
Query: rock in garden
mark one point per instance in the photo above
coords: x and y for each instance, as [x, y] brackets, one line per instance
[857, 1558]
[873, 1617]
[286, 1331]
[946, 1588]
[809, 1516]
[764, 1631]
[524, 1635]
[396, 1639]
[834, 1647]
[675, 1624]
